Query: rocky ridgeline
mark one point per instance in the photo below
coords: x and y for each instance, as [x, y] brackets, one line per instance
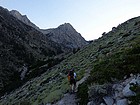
[23, 18]
[64, 34]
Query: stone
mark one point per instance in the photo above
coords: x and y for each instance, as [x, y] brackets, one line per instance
[138, 79]
[133, 81]
[102, 104]
[24, 70]
[118, 95]
[131, 75]
[108, 100]
[91, 103]
[48, 104]
[127, 92]
[117, 87]
[122, 102]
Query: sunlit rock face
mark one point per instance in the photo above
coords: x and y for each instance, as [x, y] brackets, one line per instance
[23, 18]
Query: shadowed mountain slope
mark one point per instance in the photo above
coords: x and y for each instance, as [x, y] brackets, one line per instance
[21, 46]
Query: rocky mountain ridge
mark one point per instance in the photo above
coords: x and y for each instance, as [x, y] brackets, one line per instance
[23, 18]
[64, 34]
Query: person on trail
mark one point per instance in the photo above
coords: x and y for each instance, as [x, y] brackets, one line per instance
[72, 80]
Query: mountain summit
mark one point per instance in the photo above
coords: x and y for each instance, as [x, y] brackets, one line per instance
[66, 35]
[23, 18]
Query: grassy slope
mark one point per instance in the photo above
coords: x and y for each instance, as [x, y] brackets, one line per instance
[50, 86]
[118, 56]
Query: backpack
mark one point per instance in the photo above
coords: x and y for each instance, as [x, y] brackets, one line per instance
[70, 75]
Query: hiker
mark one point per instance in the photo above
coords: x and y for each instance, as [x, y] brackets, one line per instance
[72, 80]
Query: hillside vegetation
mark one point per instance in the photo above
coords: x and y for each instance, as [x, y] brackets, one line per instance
[115, 55]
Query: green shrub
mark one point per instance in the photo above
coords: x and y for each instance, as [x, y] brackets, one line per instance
[24, 102]
[117, 66]
[135, 100]
[83, 93]
[53, 96]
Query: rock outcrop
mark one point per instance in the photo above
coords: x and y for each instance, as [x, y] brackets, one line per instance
[118, 94]
[23, 18]
[66, 35]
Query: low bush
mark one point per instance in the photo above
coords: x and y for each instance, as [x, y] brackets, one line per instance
[135, 100]
[83, 93]
[117, 66]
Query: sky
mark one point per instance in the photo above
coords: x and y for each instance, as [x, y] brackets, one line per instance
[89, 17]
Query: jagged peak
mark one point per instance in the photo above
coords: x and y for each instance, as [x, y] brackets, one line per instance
[23, 18]
[15, 13]
[4, 8]
[65, 25]
[18, 15]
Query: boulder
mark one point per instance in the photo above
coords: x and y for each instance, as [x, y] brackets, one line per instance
[127, 92]
[108, 100]
[102, 104]
[122, 102]
[138, 79]
[91, 103]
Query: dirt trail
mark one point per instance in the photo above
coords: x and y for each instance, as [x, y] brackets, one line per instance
[71, 99]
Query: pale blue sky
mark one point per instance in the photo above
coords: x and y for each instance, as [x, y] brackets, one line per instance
[89, 17]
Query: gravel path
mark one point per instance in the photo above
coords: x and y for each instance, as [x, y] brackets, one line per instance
[71, 99]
